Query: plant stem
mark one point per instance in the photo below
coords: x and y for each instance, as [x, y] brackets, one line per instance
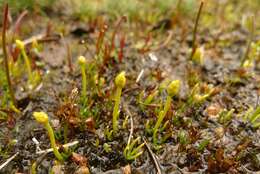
[194, 44]
[5, 15]
[161, 117]
[116, 109]
[28, 65]
[33, 168]
[53, 143]
[84, 82]
[249, 41]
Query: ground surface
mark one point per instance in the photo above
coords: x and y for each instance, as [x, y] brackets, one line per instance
[232, 148]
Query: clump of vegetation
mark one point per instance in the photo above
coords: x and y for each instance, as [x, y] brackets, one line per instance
[131, 152]
[253, 116]
[185, 122]
[172, 89]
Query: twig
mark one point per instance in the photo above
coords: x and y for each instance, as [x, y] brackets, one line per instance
[132, 125]
[8, 160]
[165, 43]
[139, 76]
[69, 58]
[112, 46]
[18, 22]
[5, 15]
[157, 166]
[64, 146]
[194, 45]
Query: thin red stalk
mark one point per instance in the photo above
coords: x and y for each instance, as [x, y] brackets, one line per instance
[147, 40]
[194, 44]
[122, 19]
[121, 51]
[5, 15]
[101, 38]
[106, 54]
[18, 22]
[69, 58]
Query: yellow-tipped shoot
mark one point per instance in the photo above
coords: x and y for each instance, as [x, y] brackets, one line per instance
[42, 118]
[172, 90]
[120, 82]
[82, 63]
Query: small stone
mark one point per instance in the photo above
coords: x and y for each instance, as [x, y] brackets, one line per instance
[219, 131]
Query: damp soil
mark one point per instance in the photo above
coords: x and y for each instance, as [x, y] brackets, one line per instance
[237, 151]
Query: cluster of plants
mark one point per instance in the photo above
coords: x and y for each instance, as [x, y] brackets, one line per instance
[80, 110]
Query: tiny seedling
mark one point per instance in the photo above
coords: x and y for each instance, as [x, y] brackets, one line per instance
[196, 97]
[183, 138]
[107, 147]
[204, 143]
[82, 64]
[131, 152]
[225, 117]
[253, 116]
[120, 84]
[172, 89]
[42, 118]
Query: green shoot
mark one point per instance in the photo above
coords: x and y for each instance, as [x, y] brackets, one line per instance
[253, 116]
[120, 84]
[42, 118]
[183, 138]
[33, 168]
[131, 152]
[203, 145]
[198, 56]
[82, 64]
[225, 116]
[107, 147]
[172, 90]
[247, 61]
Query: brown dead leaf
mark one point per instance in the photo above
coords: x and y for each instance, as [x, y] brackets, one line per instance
[90, 123]
[82, 170]
[127, 169]
[79, 159]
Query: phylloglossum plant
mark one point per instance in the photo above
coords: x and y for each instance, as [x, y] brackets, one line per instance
[82, 63]
[120, 82]
[131, 152]
[42, 118]
[198, 56]
[34, 77]
[172, 89]
[253, 116]
[21, 46]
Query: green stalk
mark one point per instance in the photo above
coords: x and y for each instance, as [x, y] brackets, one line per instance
[116, 109]
[161, 117]
[28, 65]
[33, 168]
[84, 82]
[53, 143]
